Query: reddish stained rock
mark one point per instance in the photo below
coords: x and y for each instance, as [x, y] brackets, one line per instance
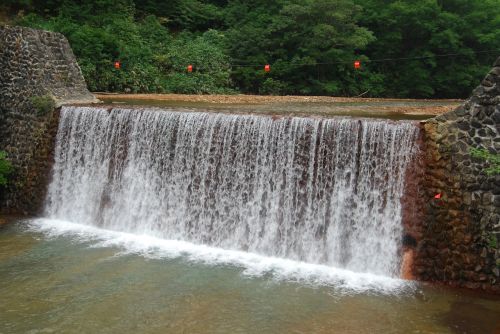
[455, 247]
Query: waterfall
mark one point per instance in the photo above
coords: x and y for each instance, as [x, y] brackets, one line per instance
[322, 191]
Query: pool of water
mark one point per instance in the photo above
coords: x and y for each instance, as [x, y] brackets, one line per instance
[387, 109]
[59, 277]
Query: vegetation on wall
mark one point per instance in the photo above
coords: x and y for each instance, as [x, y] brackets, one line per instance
[43, 104]
[5, 168]
[310, 44]
[493, 160]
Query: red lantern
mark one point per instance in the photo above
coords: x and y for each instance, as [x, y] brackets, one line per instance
[190, 68]
[267, 68]
[117, 65]
[357, 64]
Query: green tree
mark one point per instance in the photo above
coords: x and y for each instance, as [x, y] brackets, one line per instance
[408, 29]
[99, 40]
[310, 44]
[205, 53]
[293, 36]
[178, 15]
[152, 60]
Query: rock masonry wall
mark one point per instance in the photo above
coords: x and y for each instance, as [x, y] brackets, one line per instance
[34, 64]
[460, 232]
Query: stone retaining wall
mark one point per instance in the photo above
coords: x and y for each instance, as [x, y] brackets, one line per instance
[461, 230]
[38, 73]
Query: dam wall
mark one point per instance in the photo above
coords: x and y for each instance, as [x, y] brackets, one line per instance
[452, 227]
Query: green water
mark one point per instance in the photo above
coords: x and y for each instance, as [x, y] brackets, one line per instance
[303, 109]
[65, 283]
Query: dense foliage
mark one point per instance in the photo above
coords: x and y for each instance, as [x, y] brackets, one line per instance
[426, 28]
[310, 44]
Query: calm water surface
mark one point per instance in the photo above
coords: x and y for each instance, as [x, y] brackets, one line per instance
[64, 281]
[374, 109]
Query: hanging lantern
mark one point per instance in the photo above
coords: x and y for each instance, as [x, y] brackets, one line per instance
[357, 64]
[190, 68]
[117, 65]
[267, 68]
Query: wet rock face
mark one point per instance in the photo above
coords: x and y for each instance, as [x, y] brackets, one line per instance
[38, 72]
[461, 230]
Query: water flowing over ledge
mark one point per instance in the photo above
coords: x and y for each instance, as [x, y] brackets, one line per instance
[321, 191]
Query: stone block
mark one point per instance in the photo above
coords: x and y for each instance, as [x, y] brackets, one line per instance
[496, 116]
[496, 201]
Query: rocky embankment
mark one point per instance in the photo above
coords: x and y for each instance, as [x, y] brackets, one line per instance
[38, 73]
[460, 233]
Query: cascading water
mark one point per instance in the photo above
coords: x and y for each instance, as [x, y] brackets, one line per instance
[323, 191]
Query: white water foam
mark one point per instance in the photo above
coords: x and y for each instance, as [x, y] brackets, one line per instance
[253, 265]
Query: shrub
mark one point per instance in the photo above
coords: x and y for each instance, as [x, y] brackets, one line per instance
[5, 168]
[43, 104]
[211, 72]
[272, 86]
